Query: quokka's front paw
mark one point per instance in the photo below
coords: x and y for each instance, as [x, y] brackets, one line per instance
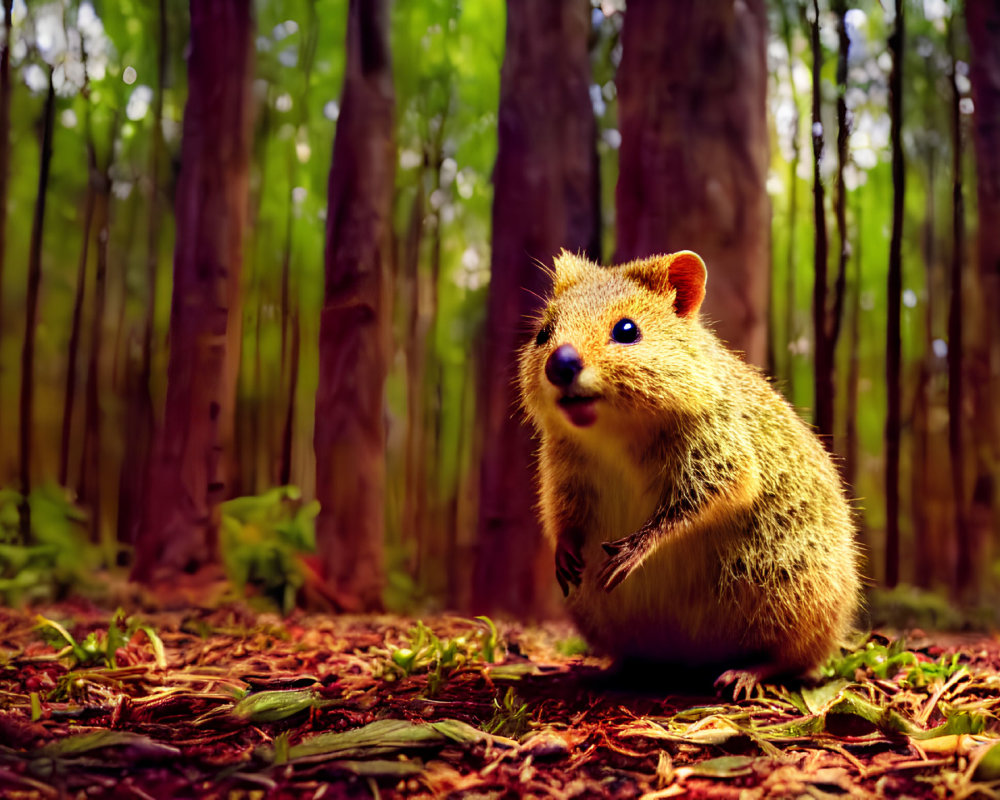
[624, 557]
[743, 681]
[569, 565]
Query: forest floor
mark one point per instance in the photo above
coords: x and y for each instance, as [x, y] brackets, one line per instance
[231, 703]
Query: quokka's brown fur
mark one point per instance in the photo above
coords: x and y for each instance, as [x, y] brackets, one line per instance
[696, 518]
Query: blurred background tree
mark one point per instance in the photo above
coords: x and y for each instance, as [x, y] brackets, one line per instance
[759, 134]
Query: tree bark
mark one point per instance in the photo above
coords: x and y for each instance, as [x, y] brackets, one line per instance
[822, 364]
[73, 348]
[26, 400]
[852, 436]
[140, 419]
[983, 519]
[288, 429]
[966, 556]
[895, 290]
[349, 436]
[694, 151]
[833, 312]
[187, 476]
[544, 185]
[409, 294]
[786, 361]
[5, 89]
[91, 457]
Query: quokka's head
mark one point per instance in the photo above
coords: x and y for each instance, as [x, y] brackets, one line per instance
[617, 347]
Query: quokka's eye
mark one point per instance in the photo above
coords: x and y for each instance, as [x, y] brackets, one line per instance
[625, 331]
[543, 336]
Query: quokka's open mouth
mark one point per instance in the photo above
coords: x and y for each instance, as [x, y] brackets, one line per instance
[580, 410]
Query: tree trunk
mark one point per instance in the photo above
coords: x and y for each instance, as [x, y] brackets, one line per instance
[73, 347]
[139, 416]
[187, 477]
[983, 19]
[349, 436]
[966, 555]
[822, 363]
[786, 361]
[895, 290]
[409, 294]
[288, 429]
[694, 150]
[544, 180]
[26, 404]
[5, 89]
[833, 313]
[544, 184]
[852, 437]
[91, 457]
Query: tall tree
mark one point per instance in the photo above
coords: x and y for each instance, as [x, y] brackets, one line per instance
[349, 437]
[5, 46]
[545, 184]
[187, 477]
[694, 150]
[894, 344]
[91, 458]
[784, 365]
[73, 347]
[139, 415]
[822, 356]
[983, 19]
[26, 399]
[956, 310]
[828, 313]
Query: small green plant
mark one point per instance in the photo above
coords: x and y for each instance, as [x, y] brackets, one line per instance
[100, 648]
[426, 653]
[510, 716]
[882, 660]
[888, 660]
[263, 539]
[59, 556]
[923, 673]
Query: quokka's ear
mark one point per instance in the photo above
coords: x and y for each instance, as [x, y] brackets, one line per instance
[569, 269]
[682, 273]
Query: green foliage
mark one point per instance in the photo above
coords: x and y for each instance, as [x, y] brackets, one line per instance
[59, 558]
[276, 705]
[100, 648]
[439, 659]
[263, 539]
[888, 660]
[510, 716]
[880, 660]
[924, 673]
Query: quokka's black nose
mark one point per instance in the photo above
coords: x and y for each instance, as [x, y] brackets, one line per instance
[563, 366]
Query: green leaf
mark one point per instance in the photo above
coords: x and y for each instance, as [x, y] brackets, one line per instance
[382, 737]
[274, 705]
[96, 740]
[159, 654]
[459, 731]
[818, 699]
[380, 768]
[884, 719]
[988, 768]
[962, 723]
[724, 767]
